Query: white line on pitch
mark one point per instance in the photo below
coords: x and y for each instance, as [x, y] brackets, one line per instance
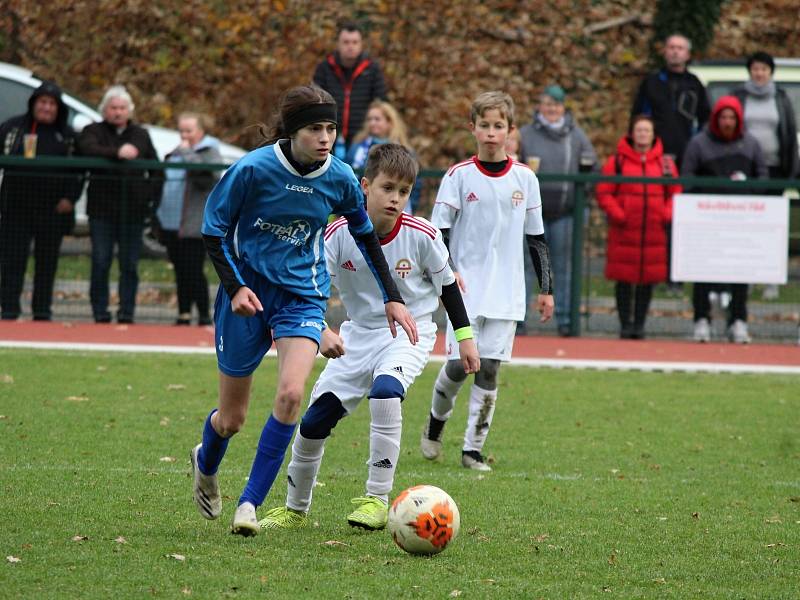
[557, 363]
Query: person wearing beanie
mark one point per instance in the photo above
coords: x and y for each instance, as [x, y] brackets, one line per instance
[35, 206]
[723, 149]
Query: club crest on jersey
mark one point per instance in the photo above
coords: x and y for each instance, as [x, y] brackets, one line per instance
[296, 232]
[472, 197]
[403, 268]
[517, 198]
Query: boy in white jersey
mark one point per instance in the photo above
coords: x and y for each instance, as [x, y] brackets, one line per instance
[375, 364]
[487, 207]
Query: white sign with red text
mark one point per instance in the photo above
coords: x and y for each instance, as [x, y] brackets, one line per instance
[730, 239]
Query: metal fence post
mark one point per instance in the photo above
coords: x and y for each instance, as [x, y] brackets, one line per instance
[577, 259]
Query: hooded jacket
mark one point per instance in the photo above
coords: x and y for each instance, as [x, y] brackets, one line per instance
[638, 214]
[711, 154]
[36, 192]
[559, 151]
[353, 89]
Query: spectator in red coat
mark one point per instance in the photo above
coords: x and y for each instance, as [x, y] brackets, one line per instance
[638, 215]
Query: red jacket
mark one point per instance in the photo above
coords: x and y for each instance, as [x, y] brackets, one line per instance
[638, 214]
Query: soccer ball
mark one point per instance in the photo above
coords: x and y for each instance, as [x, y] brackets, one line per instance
[423, 520]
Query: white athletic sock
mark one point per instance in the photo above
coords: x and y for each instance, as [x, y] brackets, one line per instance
[445, 391]
[384, 445]
[302, 471]
[481, 410]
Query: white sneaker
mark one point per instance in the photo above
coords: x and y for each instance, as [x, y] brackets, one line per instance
[431, 449]
[737, 332]
[206, 489]
[244, 520]
[472, 459]
[702, 331]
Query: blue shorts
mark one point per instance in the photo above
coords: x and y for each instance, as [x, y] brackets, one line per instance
[242, 342]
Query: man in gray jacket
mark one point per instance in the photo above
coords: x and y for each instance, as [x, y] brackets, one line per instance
[554, 143]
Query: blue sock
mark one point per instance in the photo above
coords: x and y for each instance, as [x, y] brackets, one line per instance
[212, 450]
[275, 438]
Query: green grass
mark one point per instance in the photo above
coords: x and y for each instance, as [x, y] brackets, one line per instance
[606, 484]
[152, 270]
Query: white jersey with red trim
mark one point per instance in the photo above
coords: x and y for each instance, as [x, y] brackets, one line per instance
[418, 262]
[488, 215]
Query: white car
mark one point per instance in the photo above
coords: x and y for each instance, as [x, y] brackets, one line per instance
[721, 77]
[16, 86]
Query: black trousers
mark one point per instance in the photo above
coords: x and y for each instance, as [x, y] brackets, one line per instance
[188, 256]
[641, 296]
[17, 231]
[737, 310]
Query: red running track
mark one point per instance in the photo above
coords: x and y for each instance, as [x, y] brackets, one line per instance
[545, 347]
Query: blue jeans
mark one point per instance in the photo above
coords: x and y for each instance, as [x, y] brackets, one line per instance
[128, 238]
[558, 233]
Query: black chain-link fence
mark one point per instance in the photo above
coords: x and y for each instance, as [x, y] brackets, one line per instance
[47, 256]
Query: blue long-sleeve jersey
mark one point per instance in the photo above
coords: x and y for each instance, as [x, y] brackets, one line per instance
[273, 218]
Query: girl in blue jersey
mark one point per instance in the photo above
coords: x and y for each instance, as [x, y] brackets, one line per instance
[263, 229]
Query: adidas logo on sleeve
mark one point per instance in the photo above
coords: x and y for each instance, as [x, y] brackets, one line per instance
[348, 265]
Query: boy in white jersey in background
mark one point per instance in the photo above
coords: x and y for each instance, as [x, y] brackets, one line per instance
[488, 209]
[369, 361]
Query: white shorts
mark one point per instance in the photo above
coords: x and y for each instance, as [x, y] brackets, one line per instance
[373, 352]
[494, 338]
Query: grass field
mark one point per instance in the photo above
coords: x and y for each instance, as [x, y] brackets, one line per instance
[606, 484]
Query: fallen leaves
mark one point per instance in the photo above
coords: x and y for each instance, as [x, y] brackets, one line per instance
[81, 398]
[175, 387]
[334, 543]
[6, 378]
[12, 559]
[168, 459]
[178, 557]
[80, 538]
[120, 540]
[455, 593]
[773, 519]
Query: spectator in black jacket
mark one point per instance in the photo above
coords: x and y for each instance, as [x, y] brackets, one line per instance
[35, 205]
[119, 201]
[353, 79]
[675, 98]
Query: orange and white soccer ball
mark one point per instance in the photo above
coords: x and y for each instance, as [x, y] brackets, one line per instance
[423, 520]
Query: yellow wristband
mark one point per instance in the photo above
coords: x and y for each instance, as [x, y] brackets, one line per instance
[463, 333]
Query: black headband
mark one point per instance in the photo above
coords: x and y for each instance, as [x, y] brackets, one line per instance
[313, 113]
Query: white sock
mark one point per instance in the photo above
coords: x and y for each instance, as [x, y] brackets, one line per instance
[445, 391]
[481, 410]
[302, 471]
[384, 445]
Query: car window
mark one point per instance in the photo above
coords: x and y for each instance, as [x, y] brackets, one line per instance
[13, 98]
